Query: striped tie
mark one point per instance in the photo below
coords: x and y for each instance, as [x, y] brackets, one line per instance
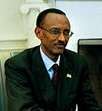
[55, 77]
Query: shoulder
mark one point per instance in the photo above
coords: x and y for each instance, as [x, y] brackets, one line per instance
[74, 57]
[71, 54]
[23, 58]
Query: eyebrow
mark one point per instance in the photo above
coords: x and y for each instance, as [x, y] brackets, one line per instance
[59, 27]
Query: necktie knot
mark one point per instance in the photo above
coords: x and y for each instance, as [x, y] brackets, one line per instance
[55, 68]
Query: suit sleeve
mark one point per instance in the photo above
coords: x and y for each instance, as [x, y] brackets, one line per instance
[19, 91]
[86, 98]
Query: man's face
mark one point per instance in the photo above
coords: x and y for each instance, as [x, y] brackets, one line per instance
[54, 34]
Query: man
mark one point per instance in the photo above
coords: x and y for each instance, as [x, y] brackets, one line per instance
[29, 75]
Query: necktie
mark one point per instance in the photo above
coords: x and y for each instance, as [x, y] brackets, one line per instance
[55, 77]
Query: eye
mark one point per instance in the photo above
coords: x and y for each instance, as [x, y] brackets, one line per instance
[55, 31]
[66, 32]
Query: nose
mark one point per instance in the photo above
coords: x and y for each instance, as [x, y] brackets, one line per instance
[61, 37]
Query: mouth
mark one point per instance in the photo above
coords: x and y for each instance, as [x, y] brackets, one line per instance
[60, 46]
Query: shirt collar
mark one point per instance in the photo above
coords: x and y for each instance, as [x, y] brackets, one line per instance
[47, 61]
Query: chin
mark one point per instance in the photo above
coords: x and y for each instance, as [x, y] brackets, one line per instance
[59, 52]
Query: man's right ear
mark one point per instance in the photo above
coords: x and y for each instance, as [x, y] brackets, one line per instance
[38, 32]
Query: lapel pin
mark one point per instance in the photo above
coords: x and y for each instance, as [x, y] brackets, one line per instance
[69, 76]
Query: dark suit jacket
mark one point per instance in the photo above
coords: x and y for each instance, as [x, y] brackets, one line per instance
[29, 87]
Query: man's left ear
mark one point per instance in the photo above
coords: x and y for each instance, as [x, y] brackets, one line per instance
[38, 32]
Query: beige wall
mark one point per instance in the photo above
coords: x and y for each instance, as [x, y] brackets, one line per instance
[11, 25]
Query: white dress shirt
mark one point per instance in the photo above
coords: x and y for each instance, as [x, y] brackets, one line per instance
[48, 63]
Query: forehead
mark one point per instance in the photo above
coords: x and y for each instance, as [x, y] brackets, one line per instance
[53, 19]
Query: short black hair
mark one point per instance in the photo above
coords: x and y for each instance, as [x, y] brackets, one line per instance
[42, 15]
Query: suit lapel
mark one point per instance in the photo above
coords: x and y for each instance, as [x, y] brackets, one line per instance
[65, 81]
[66, 68]
[42, 78]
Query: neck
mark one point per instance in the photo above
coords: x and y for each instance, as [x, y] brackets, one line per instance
[52, 57]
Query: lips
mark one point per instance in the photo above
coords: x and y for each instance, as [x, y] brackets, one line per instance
[60, 45]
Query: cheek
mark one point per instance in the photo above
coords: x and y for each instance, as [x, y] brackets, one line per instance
[66, 40]
[46, 41]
